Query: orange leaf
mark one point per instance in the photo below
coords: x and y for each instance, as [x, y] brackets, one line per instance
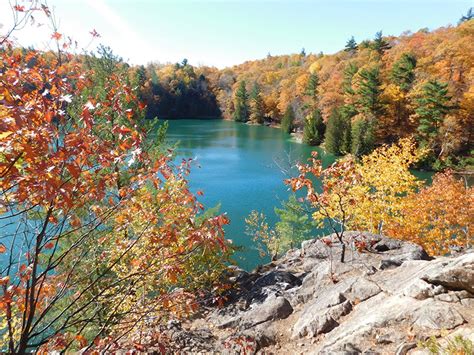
[3, 249]
[49, 245]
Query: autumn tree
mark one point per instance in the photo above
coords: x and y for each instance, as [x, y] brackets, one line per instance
[90, 195]
[241, 107]
[438, 217]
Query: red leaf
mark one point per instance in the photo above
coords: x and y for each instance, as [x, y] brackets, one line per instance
[57, 36]
[49, 245]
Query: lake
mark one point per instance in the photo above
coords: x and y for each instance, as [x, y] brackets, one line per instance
[239, 166]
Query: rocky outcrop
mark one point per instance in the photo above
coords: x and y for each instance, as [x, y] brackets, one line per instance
[384, 299]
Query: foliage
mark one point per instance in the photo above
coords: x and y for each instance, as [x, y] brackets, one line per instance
[257, 108]
[457, 345]
[106, 228]
[362, 137]
[438, 217]
[432, 107]
[267, 241]
[314, 128]
[351, 45]
[241, 113]
[287, 122]
[295, 223]
[294, 226]
[334, 138]
[380, 45]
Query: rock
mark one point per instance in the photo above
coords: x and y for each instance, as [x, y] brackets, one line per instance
[437, 315]
[321, 315]
[362, 289]
[403, 348]
[457, 274]
[278, 277]
[273, 308]
[421, 290]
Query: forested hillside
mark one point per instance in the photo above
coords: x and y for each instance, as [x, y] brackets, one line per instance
[369, 93]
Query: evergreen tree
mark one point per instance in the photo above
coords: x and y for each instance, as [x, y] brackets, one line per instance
[467, 17]
[257, 110]
[314, 127]
[312, 88]
[379, 44]
[303, 52]
[363, 137]
[347, 137]
[295, 224]
[369, 92]
[287, 120]
[351, 46]
[431, 108]
[403, 72]
[334, 139]
[241, 108]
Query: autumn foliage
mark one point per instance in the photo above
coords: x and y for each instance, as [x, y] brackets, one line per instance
[379, 194]
[100, 232]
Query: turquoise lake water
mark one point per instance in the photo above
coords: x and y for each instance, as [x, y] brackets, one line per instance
[240, 167]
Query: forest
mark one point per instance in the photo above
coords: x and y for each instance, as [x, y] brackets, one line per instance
[371, 92]
[103, 242]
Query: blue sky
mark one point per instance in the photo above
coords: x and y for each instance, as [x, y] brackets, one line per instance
[223, 33]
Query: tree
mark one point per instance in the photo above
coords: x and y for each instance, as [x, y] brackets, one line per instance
[295, 223]
[334, 138]
[287, 122]
[90, 195]
[351, 46]
[362, 137]
[314, 128]
[438, 217]
[312, 88]
[257, 109]
[241, 108]
[379, 44]
[332, 202]
[432, 106]
[368, 93]
[468, 16]
[403, 72]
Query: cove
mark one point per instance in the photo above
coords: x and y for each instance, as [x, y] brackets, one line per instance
[239, 166]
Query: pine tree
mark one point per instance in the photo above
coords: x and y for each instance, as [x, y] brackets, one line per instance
[363, 137]
[314, 127]
[467, 17]
[431, 108]
[351, 46]
[347, 137]
[312, 88]
[295, 224]
[241, 113]
[287, 120]
[369, 91]
[403, 72]
[379, 44]
[257, 110]
[334, 139]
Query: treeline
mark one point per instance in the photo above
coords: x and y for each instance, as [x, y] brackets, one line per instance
[369, 93]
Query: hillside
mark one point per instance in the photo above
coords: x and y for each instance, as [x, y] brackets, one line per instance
[418, 83]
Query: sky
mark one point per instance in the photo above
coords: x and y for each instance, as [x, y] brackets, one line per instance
[227, 32]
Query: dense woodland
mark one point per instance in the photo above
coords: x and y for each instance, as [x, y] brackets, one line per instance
[371, 92]
[102, 242]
